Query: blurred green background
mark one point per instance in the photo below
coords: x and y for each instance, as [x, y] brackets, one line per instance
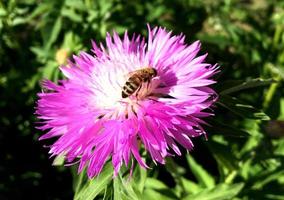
[243, 156]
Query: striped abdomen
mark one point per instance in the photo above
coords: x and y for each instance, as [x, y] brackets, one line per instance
[131, 85]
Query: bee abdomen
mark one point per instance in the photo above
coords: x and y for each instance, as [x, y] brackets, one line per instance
[129, 88]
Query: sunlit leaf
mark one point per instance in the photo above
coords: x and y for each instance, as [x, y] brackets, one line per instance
[49, 70]
[266, 177]
[220, 192]
[190, 186]
[155, 184]
[153, 194]
[129, 188]
[140, 178]
[203, 177]
[96, 185]
[54, 32]
[79, 5]
[118, 193]
[39, 10]
[59, 160]
[71, 14]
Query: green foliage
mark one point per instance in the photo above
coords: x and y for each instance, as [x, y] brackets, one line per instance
[203, 177]
[93, 187]
[244, 153]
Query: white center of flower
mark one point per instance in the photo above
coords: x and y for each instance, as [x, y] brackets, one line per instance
[110, 80]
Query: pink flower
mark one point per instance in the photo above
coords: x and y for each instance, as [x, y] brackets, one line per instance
[94, 123]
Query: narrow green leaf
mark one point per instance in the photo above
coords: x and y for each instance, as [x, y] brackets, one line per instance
[150, 194]
[264, 178]
[226, 130]
[95, 186]
[224, 155]
[277, 71]
[78, 179]
[117, 189]
[203, 177]
[78, 5]
[228, 87]
[40, 52]
[155, 184]
[125, 189]
[54, 32]
[39, 10]
[128, 187]
[243, 110]
[190, 186]
[220, 192]
[72, 15]
[18, 21]
[3, 12]
[59, 160]
[140, 177]
[49, 70]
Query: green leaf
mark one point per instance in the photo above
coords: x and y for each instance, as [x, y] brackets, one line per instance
[118, 191]
[72, 15]
[78, 179]
[42, 54]
[78, 5]
[224, 155]
[72, 42]
[203, 177]
[190, 186]
[140, 177]
[150, 194]
[277, 71]
[220, 192]
[125, 188]
[3, 12]
[130, 188]
[49, 70]
[226, 130]
[279, 149]
[266, 177]
[155, 184]
[59, 160]
[18, 21]
[156, 189]
[39, 10]
[54, 32]
[247, 85]
[95, 186]
[243, 110]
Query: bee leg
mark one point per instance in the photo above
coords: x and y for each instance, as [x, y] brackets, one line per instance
[153, 99]
[137, 91]
[132, 108]
[148, 83]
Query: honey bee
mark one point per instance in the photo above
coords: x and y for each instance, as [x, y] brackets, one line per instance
[136, 79]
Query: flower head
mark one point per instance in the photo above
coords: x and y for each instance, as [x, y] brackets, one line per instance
[108, 106]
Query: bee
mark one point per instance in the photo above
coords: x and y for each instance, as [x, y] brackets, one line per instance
[135, 80]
